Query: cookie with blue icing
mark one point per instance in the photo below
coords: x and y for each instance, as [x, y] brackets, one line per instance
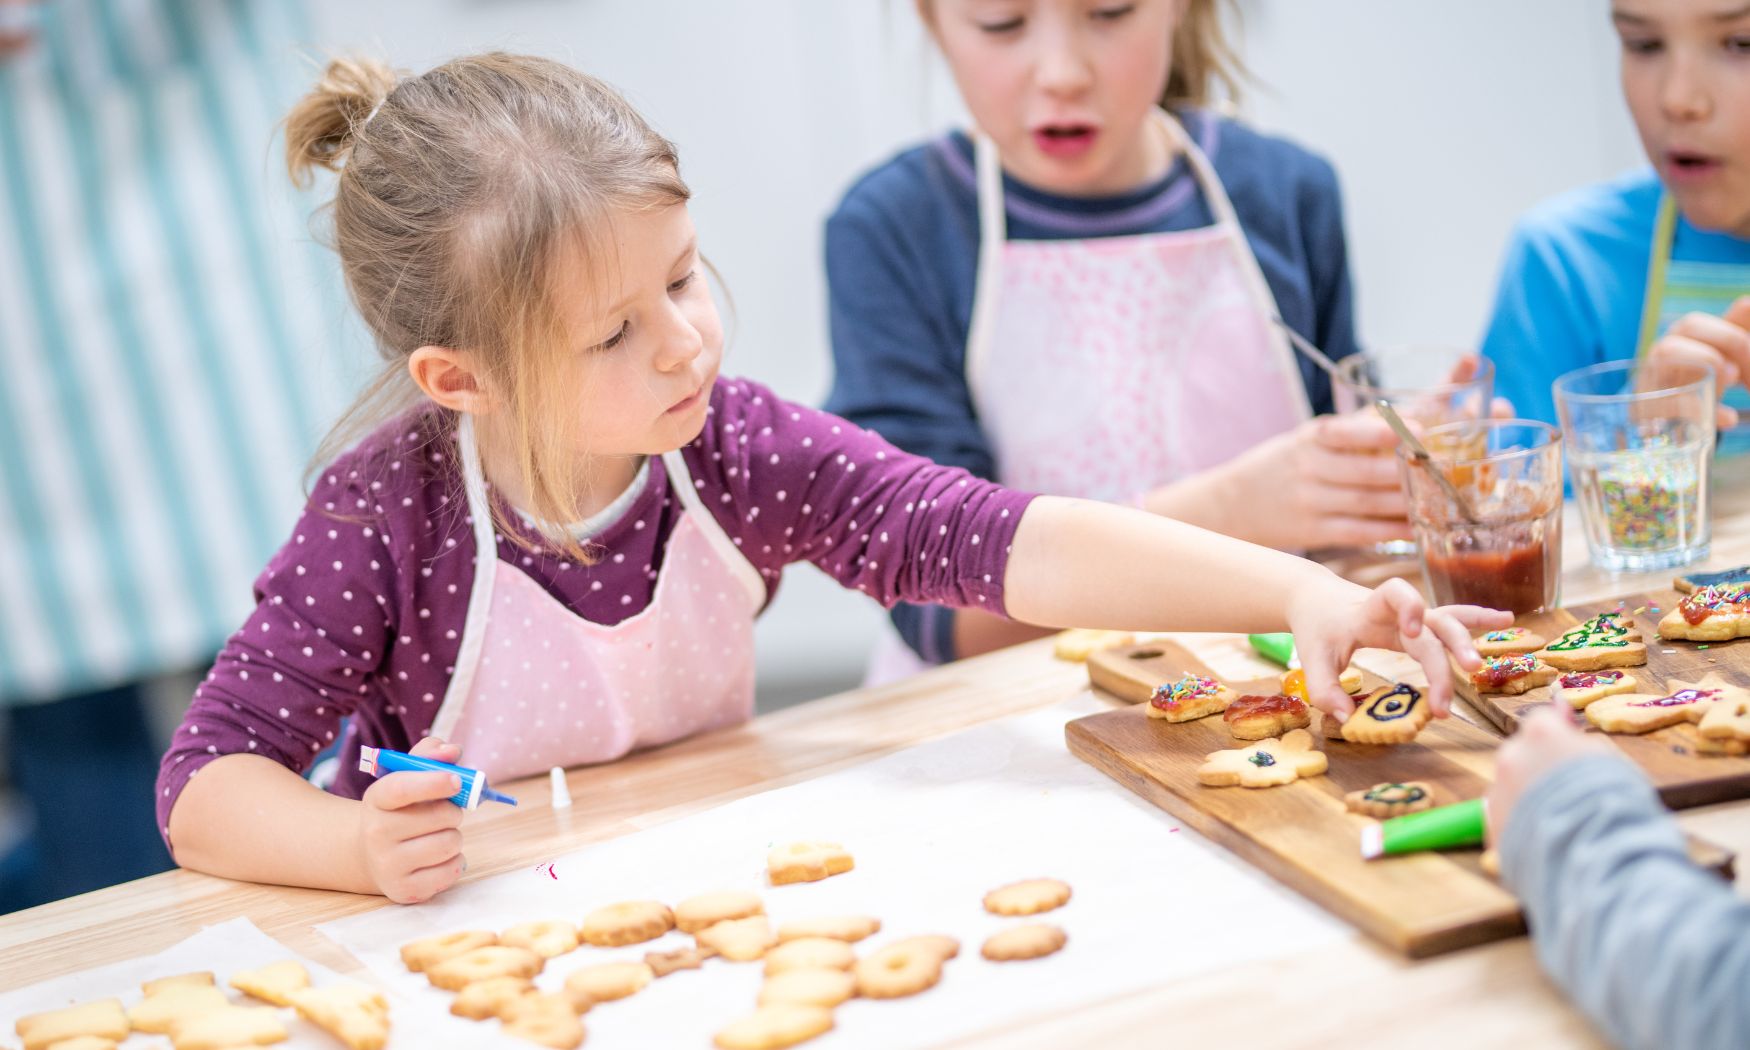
[1691, 582]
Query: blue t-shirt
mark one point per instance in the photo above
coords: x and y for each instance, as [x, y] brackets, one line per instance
[1574, 281]
[902, 257]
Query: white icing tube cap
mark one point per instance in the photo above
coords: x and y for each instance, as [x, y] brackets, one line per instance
[561, 790]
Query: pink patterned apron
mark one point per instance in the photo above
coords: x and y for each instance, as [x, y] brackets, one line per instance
[1106, 367]
[537, 685]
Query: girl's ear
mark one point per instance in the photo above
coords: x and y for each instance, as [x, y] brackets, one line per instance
[450, 378]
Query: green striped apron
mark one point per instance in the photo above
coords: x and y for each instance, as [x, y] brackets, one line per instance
[170, 334]
[1676, 287]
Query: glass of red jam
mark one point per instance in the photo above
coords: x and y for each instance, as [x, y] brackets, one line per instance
[1510, 473]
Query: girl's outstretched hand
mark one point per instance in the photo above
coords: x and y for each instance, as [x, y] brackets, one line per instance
[1333, 618]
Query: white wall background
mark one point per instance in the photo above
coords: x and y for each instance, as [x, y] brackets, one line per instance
[1445, 120]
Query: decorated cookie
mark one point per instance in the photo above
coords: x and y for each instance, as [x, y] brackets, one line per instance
[1260, 717]
[1607, 640]
[1579, 688]
[1270, 763]
[1512, 674]
[1391, 714]
[1192, 696]
[1511, 641]
[1391, 800]
[1641, 713]
[1693, 581]
[1711, 614]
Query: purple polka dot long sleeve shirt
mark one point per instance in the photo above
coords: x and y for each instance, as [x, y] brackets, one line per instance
[360, 614]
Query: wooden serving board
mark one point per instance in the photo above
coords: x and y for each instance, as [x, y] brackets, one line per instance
[1683, 776]
[1301, 833]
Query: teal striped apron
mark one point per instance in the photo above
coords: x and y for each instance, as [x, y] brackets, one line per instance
[171, 341]
[1676, 287]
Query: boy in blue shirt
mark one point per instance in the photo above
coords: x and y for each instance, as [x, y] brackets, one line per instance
[1657, 261]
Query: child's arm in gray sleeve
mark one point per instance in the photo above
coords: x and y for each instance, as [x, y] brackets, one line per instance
[1654, 950]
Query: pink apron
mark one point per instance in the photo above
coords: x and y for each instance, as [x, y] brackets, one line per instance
[537, 685]
[1106, 367]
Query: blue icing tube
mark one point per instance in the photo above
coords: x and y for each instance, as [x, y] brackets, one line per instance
[379, 760]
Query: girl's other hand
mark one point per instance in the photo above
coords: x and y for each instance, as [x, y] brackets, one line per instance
[1547, 738]
[1334, 618]
[1330, 482]
[409, 833]
[1719, 343]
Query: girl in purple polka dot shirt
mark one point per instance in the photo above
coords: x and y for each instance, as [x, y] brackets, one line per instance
[554, 522]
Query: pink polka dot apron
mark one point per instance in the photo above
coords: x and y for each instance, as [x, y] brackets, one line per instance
[537, 685]
[1106, 367]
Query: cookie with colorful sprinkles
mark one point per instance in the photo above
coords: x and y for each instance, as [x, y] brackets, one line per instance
[1511, 641]
[1512, 675]
[1580, 688]
[1192, 696]
[1606, 640]
[1718, 613]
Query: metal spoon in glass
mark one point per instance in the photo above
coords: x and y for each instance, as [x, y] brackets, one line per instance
[1425, 460]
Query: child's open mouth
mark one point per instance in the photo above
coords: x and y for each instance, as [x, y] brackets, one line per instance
[1065, 140]
[1685, 166]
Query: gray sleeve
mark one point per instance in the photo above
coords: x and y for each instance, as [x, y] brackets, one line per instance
[1654, 950]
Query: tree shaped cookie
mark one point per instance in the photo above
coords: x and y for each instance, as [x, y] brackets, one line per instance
[1711, 614]
[1606, 640]
[1579, 688]
[1509, 642]
[1192, 696]
[1512, 674]
[1270, 763]
[1392, 714]
[1643, 713]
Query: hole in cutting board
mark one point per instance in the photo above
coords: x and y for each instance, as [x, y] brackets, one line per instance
[1146, 654]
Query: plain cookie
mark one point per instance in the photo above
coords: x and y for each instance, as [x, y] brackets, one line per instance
[1030, 941]
[807, 862]
[774, 1027]
[1027, 898]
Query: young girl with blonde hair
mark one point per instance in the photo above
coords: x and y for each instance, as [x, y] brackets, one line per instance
[1078, 297]
[553, 552]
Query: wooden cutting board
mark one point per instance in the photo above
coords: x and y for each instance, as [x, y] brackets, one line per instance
[1684, 777]
[1301, 834]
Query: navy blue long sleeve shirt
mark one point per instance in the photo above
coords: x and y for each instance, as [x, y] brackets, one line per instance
[902, 255]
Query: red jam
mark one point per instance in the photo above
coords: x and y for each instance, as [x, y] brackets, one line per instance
[1589, 679]
[1252, 706]
[1510, 579]
[1498, 671]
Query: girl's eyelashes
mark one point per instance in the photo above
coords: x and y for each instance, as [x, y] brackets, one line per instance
[681, 284]
[1113, 13]
[1641, 45]
[1738, 44]
[616, 339]
[1007, 25]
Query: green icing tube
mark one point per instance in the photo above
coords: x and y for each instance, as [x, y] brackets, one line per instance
[1278, 648]
[1447, 827]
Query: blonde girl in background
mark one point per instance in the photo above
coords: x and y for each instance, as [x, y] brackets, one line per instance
[1076, 296]
[553, 551]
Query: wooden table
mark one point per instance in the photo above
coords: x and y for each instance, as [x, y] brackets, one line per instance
[1356, 993]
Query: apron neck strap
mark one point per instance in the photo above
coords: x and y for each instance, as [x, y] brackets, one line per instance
[681, 480]
[1658, 264]
[485, 572]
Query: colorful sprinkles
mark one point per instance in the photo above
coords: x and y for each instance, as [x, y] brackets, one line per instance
[1190, 687]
